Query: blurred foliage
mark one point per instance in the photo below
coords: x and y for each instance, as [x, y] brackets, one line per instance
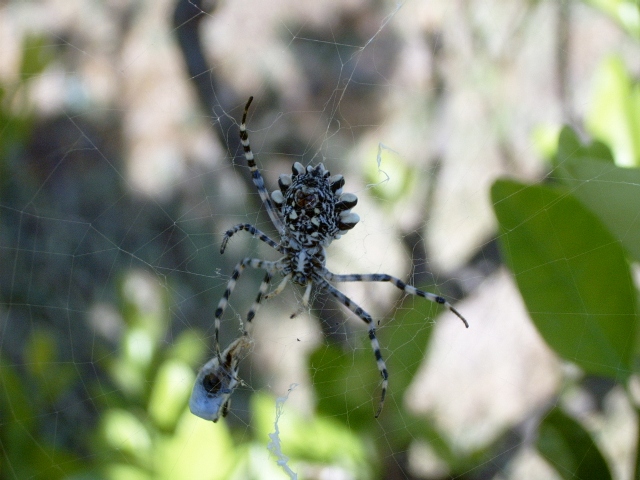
[391, 179]
[614, 113]
[29, 445]
[16, 115]
[570, 448]
[570, 244]
[564, 258]
[146, 429]
[625, 12]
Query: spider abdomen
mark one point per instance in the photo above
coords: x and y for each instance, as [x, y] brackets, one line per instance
[313, 207]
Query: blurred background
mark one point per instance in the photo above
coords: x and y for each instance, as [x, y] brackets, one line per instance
[121, 169]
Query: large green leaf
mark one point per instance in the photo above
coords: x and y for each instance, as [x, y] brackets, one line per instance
[612, 193]
[572, 274]
[570, 449]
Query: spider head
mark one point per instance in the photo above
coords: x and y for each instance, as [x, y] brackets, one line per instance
[312, 205]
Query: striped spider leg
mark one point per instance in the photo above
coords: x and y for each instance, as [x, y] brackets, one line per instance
[309, 211]
[406, 288]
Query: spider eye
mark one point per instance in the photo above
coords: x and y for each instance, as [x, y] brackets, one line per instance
[212, 383]
[306, 200]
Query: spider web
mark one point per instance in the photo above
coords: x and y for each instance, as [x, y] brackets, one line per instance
[121, 170]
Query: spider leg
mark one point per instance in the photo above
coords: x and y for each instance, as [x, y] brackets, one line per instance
[261, 294]
[375, 345]
[258, 181]
[253, 231]
[237, 271]
[307, 295]
[305, 301]
[409, 289]
[279, 288]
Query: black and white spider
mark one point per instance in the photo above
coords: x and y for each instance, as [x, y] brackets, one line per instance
[309, 211]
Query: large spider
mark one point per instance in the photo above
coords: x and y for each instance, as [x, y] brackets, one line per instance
[309, 211]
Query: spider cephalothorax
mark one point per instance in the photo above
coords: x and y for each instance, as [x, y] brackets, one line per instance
[309, 211]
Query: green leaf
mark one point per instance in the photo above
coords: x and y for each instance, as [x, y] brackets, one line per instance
[122, 431]
[170, 393]
[198, 449]
[345, 383]
[53, 378]
[570, 449]
[572, 274]
[35, 56]
[317, 439]
[407, 337]
[545, 139]
[570, 147]
[614, 116]
[611, 192]
[391, 178]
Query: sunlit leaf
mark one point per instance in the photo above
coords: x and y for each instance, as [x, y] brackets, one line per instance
[390, 177]
[545, 139]
[614, 116]
[198, 449]
[572, 275]
[189, 347]
[317, 439]
[170, 393]
[120, 471]
[124, 432]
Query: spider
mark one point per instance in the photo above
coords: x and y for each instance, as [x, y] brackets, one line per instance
[217, 379]
[309, 211]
